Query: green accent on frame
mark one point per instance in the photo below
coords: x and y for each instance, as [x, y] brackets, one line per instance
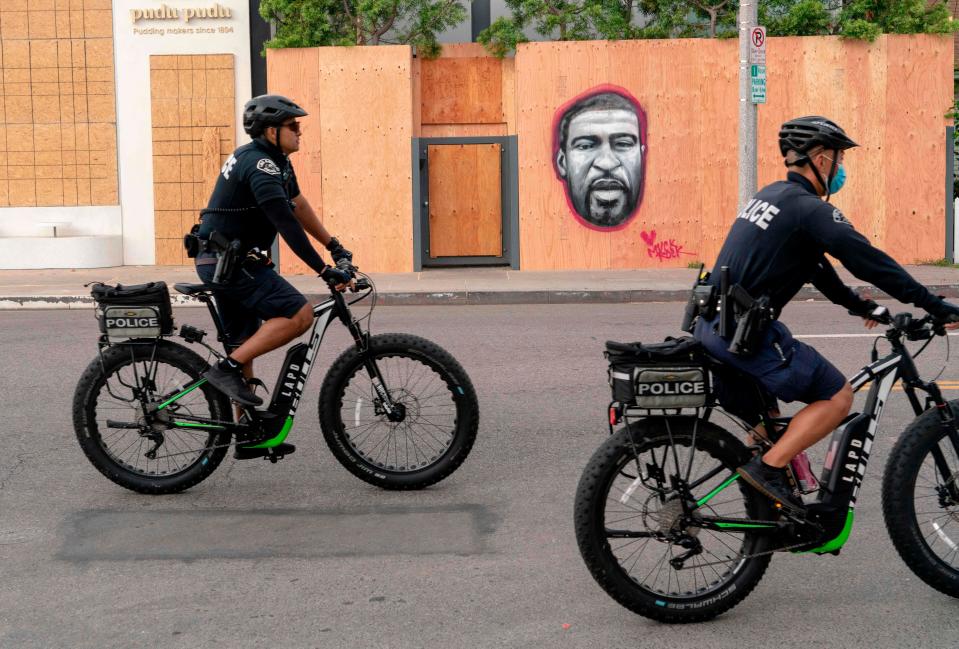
[745, 526]
[181, 394]
[840, 540]
[276, 441]
[711, 494]
[196, 424]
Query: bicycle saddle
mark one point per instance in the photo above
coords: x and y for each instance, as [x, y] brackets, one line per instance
[192, 289]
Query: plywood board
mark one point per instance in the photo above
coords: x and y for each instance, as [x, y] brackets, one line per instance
[295, 74]
[465, 213]
[462, 91]
[362, 140]
[547, 76]
[463, 130]
[890, 95]
[190, 127]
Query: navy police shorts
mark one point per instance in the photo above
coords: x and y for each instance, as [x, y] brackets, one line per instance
[256, 293]
[785, 367]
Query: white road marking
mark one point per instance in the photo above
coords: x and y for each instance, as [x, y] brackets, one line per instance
[843, 335]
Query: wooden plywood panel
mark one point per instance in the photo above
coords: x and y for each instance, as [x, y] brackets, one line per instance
[465, 200]
[666, 230]
[362, 140]
[462, 91]
[509, 95]
[367, 120]
[48, 87]
[890, 100]
[918, 95]
[192, 123]
[463, 130]
[463, 50]
[718, 104]
[548, 75]
[295, 74]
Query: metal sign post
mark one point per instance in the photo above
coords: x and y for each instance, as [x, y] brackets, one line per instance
[747, 106]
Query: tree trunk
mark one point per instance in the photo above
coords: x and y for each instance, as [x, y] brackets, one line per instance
[712, 22]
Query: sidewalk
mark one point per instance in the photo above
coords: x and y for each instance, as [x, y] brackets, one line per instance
[63, 288]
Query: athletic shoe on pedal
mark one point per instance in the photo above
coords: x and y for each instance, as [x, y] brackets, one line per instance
[232, 384]
[772, 483]
[250, 452]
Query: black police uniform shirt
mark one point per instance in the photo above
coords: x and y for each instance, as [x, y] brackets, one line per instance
[779, 241]
[251, 202]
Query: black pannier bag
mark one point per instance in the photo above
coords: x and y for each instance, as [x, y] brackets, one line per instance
[137, 311]
[658, 376]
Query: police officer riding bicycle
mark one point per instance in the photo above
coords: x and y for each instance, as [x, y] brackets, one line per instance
[256, 196]
[776, 244]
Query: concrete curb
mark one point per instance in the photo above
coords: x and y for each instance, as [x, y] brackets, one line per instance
[468, 298]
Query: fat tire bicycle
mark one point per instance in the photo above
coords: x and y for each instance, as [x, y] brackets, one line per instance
[667, 529]
[396, 410]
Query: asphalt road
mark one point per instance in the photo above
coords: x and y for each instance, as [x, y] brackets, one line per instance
[302, 554]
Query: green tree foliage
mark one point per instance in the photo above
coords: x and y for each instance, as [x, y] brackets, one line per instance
[866, 19]
[309, 23]
[795, 17]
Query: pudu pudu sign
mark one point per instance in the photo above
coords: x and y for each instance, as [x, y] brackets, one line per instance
[186, 14]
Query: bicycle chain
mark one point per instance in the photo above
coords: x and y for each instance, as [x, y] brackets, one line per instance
[750, 556]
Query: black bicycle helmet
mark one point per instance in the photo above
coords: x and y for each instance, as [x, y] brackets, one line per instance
[804, 133]
[268, 110]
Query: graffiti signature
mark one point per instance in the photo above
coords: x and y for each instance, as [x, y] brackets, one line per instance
[666, 249]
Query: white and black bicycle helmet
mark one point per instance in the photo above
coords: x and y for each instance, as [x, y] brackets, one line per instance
[268, 110]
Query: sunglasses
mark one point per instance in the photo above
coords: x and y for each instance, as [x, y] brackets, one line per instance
[293, 126]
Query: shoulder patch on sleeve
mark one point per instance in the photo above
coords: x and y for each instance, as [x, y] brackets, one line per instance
[268, 166]
[839, 217]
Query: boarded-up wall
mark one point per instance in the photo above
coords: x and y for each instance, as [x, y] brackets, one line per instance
[354, 165]
[891, 96]
[192, 99]
[464, 93]
[366, 104]
[58, 140]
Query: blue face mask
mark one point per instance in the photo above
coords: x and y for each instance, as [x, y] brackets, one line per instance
[838, 180]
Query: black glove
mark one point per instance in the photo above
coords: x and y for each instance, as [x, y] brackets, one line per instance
[335, 276]
[337, 251]
[944, 311]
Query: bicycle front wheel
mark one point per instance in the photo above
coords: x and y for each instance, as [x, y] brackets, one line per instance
[435, 418]
[129, 443]
[920, 501]
[629, 520]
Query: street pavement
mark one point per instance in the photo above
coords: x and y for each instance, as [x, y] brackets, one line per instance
[64, 288]
[302, 554]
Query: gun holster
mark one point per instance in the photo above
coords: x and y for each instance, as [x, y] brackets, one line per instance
[751, 316]
[228, 256]
[701, 303]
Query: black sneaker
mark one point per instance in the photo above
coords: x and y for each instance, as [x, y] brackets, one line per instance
[772, 483]
[232, 384]
[250, 452]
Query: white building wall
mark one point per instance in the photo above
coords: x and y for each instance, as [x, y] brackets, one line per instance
[134, 130]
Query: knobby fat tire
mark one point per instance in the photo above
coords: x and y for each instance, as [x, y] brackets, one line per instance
[898, 503]
[589, 521]
[94, 379]
[418, 349]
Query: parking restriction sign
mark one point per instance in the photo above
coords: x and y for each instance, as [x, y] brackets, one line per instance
[757, 46]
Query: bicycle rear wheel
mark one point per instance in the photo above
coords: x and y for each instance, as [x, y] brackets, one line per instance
[141, 450]
[628, 530]
[920, 501]
[440, 413]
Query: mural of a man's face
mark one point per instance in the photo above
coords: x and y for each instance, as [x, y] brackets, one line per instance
[601, 162]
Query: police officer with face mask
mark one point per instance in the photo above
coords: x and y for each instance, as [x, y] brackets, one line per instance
[256, 196]
[778, 243]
